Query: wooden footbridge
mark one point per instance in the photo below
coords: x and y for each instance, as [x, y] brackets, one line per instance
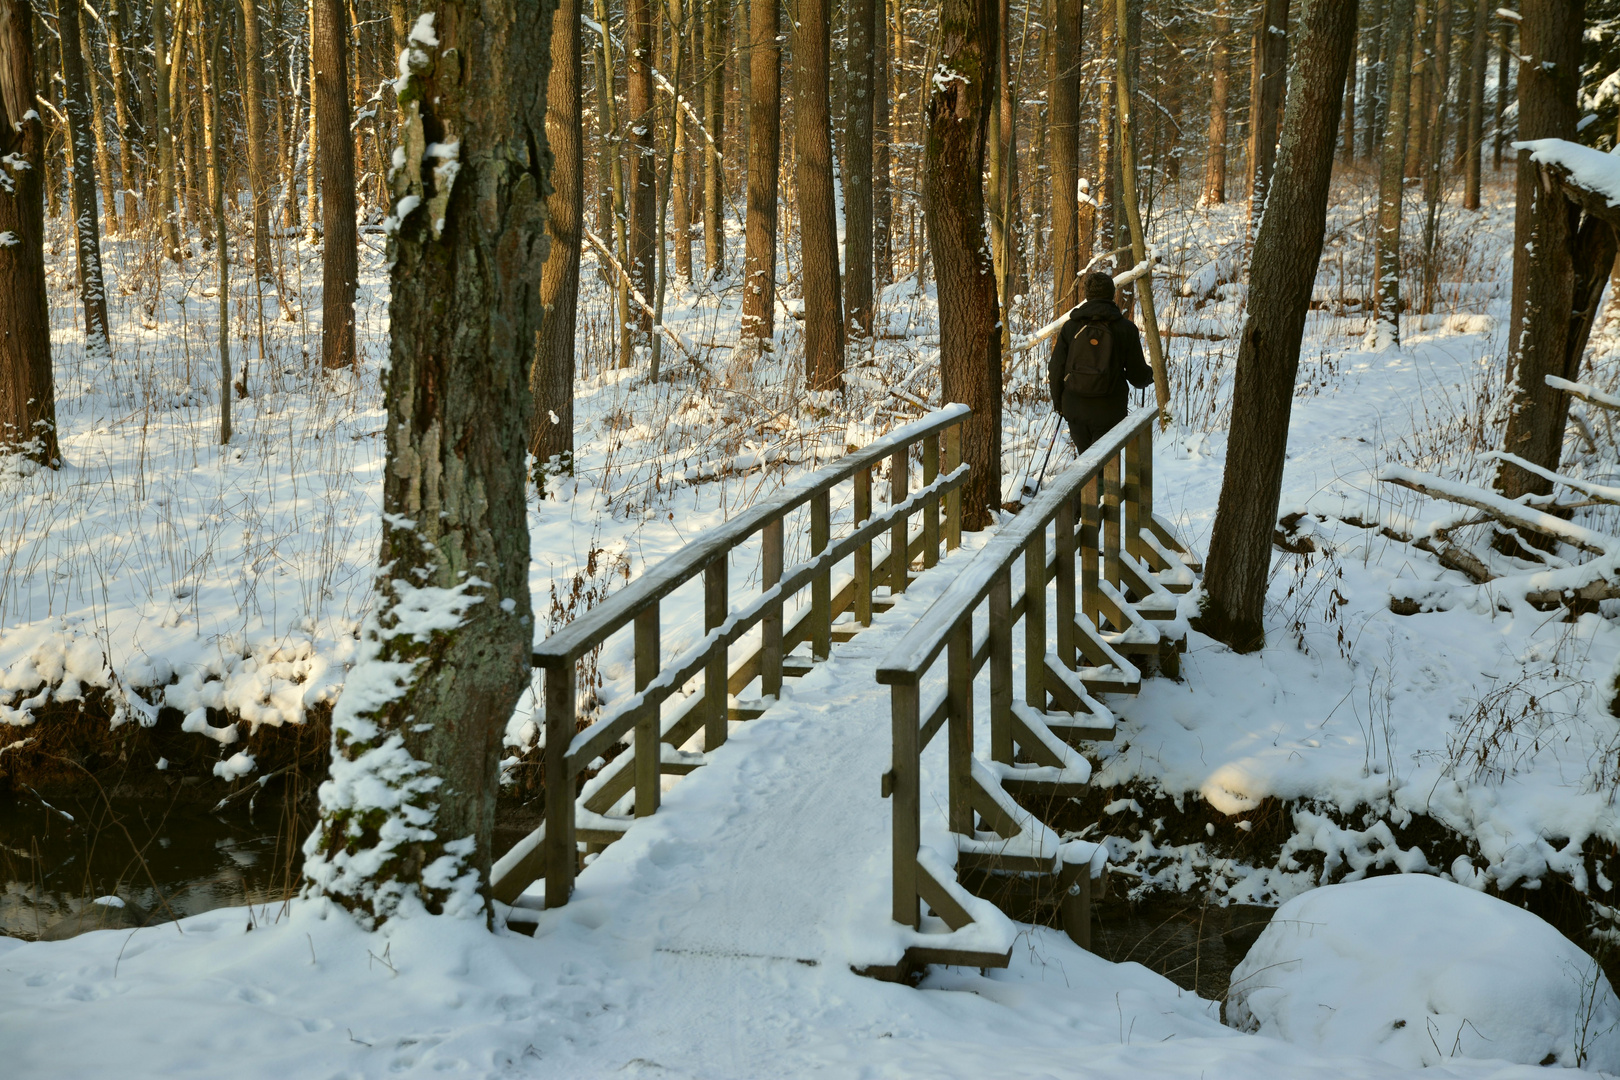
[790, 849]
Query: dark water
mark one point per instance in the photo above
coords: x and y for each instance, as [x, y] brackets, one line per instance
[173, 861]
[1194, 946]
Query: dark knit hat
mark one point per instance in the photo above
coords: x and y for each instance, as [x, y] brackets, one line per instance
[1099, 287]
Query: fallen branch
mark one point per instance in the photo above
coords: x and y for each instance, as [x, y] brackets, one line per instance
[1506, 511]
[641, 301]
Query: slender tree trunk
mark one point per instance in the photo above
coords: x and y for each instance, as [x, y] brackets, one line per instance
[1220, 83]
[882, 159]
[1374, 78]
[98, 125]
[1133, 213]
[464, 310]
[1418, 91]
[678, 177]
[27, 387]
[1434, 152]
[715, 33]
[169, 224]
[1105, 191]
[551, 379]
[1063, 135]
[1544, 336]
[969, 347]
[613, 140]
[1392, 179]
[87, 237]
[188, 114]
[253, 107]
[1473, 127]
[312, 208]
[129, 215]
[643, 231]
[1503, 71]
[1348, 117]
[216, 191]
[340, 247]
[1283, 268]
[857, 175]
[818, 215]
[1265, 118]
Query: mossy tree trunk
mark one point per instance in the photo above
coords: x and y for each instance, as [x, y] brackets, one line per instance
[407, 817]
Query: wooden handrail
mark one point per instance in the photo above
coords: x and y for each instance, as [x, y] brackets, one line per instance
[552, 850]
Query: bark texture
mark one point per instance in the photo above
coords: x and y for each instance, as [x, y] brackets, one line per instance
[1545, 333]
[1474, 118]
[1266, 108]
[27, 390]
[643, 209]
[857, 175]
[764, 162]
[716, 27]
[1220, 86]
[129, 212]
[253, 107]
[408, 815]
[551, 379]
[1391, 179]
[169, 226]
[86, 234]
[340, 246]
[818, 214]
[969, 346]
[1063, 135]
[1286, 251]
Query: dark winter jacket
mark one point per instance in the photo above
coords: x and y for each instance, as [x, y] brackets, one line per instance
[1090, 417]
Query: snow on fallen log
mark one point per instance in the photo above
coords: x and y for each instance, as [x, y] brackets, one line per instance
[1586, 168]
[1515, 514]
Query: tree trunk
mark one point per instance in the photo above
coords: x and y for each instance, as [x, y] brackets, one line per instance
[1503, 71]
[312, 157]
[1543, 337]
[882, 137]
[1391, 179]
[1063, 135]
[98, 125]
[1267, 110]
[129, 213]
[1133, 213]
[969, 347]
[715, 29]
[340, 246]
[222, 257]
[169, 224]
[1220, 84]
[87, 237]
[1374, 77]
[1347, 121]
[1437, 77]
[613, 146]
[818, 215]
[1474, 125]
[551, 379]
[643, 231]
[857, 176]
[679, 178]
[1283, 268]
[409, 813]
[253, 107]
[27, 389]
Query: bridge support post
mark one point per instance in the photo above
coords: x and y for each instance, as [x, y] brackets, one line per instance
[863, 554]
[930, 517]
[953, 501]
[899, 532]
[821, 584]
[1035, 618]
[959, 682]
[716, 692]
[561, 852]
[1090, 513]
[770, 628]
[1001, 667]
[649, 755]
[907, 795]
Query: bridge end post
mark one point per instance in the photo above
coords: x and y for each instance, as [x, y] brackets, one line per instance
[907, 796]
[561, 851]
[716, 692]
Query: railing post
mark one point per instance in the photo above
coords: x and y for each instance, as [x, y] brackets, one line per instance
[959, 688]
[1090, 512]
[1144, 488]
[1110, 522]
[863, 554]
[717, 696]
[1132, 504]
[953, 501]
[1001, 664]
[561, 852]
[899, 545]
[770, 652]
[821, 583]
[907, 822]
[648, 751]
[1035, 620]
[930, 528]
[1063, 538]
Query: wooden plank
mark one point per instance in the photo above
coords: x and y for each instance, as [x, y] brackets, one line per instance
[863, 554]
[899, 485]
[930, 514]
[1063, 535]
[953, 501]
[907, 802]
[1090, 548]
[716, 606]
[561, 851]
[770, 673]
[959, 682]
[821, 615]
[939, 898]
[1075, 909]
[646, 748]
[1034, 616]
[1001, 668]
[1130, 509]
[923, 955]
[1110, 521]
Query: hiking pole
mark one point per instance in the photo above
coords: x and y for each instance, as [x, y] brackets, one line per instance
[1033, 489]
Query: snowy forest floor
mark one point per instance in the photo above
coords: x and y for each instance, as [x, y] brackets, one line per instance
[171, 586]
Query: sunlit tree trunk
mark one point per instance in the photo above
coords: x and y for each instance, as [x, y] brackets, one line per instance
[129, 211]
[1391, 179]
[643, 208]
[169, 223]
[1266, 109]
[253, 107]
[857, 176]
[716, 28]
[340, 246]
[1220, 84]
[817, 212]
[86, 235]
[98, 125]
[551, 379]
[1063, 150]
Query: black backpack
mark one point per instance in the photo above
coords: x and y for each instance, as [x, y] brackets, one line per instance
[1089, 370]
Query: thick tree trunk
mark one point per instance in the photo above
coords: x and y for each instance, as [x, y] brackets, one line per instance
[1063, 143]
[253, 107]
[643, 231]
[1133, 214]
[857, 176]
[1266, 112]
[423, 712]
[551, 379]
[1473, 125]
[169, 223]
[1391, 179]
[818, 215]
[716, 29]
[340, 246]
[1220, 86]
[129, 212]
[87, 237]
[27, 388]
[1286, 251]
[1543, 337]
[969, 347]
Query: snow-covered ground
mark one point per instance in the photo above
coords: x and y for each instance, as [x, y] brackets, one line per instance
[164, 570]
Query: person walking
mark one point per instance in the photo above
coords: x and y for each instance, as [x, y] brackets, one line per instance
[1098, 352]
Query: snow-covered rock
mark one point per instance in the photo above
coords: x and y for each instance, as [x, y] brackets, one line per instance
[1413, 969]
